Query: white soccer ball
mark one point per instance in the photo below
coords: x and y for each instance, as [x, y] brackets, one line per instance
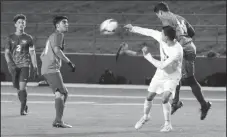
[108, 26]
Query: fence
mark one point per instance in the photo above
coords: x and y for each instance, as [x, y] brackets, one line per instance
[84, 37]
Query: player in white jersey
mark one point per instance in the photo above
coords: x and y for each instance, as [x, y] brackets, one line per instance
[168, 73]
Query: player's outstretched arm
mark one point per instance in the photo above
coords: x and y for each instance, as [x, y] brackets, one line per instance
[144, 31]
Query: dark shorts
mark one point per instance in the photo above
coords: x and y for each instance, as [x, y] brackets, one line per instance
[56, 82]
[188, 66]
[19, 75]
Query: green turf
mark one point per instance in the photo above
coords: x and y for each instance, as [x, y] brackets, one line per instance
[81, 38]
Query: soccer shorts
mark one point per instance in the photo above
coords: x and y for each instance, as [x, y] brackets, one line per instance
[55, 81]
[160, 86]
[188, 65]
[19, 75]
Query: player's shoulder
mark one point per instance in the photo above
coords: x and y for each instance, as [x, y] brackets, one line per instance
[28, 36]
[180, 17]
[57, 34]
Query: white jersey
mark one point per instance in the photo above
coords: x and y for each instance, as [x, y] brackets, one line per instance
[172, 55]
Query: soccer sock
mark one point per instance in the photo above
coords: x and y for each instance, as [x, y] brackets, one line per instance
[166, 112]
[176, 97]
[22, 95]
[147, 107]
[197, 91]
[59, 107]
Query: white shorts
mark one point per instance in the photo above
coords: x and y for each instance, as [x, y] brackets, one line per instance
[160, 86]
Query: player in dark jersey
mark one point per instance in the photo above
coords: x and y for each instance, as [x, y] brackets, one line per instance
[19, 54]
[185, 32]
[51, 63]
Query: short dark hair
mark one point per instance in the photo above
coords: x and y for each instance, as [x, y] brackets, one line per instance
[58, 18]
[170, 32]
[19, 16]
[162, 6]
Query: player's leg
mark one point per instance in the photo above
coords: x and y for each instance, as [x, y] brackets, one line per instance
[61, 93]
[22, 92]
[169, 88]
[166, 111]
[148, 104]
[176, 103]
[194, 84]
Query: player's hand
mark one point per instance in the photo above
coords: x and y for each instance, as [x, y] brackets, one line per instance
[12, 67]
[72, 66]
[128, 27]
[145, 51]
[123, 47]
[35, 73]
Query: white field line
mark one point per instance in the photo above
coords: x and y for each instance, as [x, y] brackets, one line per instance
[77, 85]
[86, 103]
[106, 96]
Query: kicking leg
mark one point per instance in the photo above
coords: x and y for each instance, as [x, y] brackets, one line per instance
[146, 109]
[197, 92]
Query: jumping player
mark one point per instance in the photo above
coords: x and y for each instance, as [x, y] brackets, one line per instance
[185, 32]
[51, 63]
[19, 54]
[168, 73]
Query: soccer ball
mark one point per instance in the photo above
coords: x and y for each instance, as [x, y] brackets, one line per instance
[108, 26]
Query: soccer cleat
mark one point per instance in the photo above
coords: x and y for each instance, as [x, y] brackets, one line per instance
[141, 122]
[61, 125]
[204, 110]
[176, 106]
[166, 128]
[26, 109]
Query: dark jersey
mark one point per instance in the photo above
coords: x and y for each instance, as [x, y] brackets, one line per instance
[19, 48]
[50, 61]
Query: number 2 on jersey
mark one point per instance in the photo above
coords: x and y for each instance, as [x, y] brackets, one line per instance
[18, 48]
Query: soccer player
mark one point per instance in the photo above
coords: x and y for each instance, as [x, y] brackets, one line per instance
[19, 54]
[51, 58]
[168, 73]
[185, 32]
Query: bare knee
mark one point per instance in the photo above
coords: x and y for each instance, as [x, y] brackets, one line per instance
[166, 96]
[151, 96]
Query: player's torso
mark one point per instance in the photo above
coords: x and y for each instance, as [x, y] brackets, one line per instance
[50, 61]
[179, 23]
[19, 48]
[172, 71]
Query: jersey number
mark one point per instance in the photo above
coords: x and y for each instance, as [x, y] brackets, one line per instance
[182, 26]
[18, 48]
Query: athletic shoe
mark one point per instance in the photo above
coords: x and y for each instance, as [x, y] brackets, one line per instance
[204, 110]
[176, 106]
[61, 125]
[141, 122]
[166, 128]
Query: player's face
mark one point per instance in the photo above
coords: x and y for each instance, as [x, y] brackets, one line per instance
[63, 25]
[164, 37]
[20, 24]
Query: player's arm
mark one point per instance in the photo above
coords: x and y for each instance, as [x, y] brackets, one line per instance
[144, 31]
[157, 63]
[57, 42]
[190, 29]
[33, 54]
[8, 55]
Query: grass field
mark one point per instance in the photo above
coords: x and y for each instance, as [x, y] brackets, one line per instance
[101, 112]
[82, 38]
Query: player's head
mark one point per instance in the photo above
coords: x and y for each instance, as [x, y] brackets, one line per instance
[61, 23]
[168, 33]
[20, 22]
[161, 9]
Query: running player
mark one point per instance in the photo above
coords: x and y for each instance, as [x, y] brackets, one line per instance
[19, 54]
[51, 63]
[168, 73]
[185, 32]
